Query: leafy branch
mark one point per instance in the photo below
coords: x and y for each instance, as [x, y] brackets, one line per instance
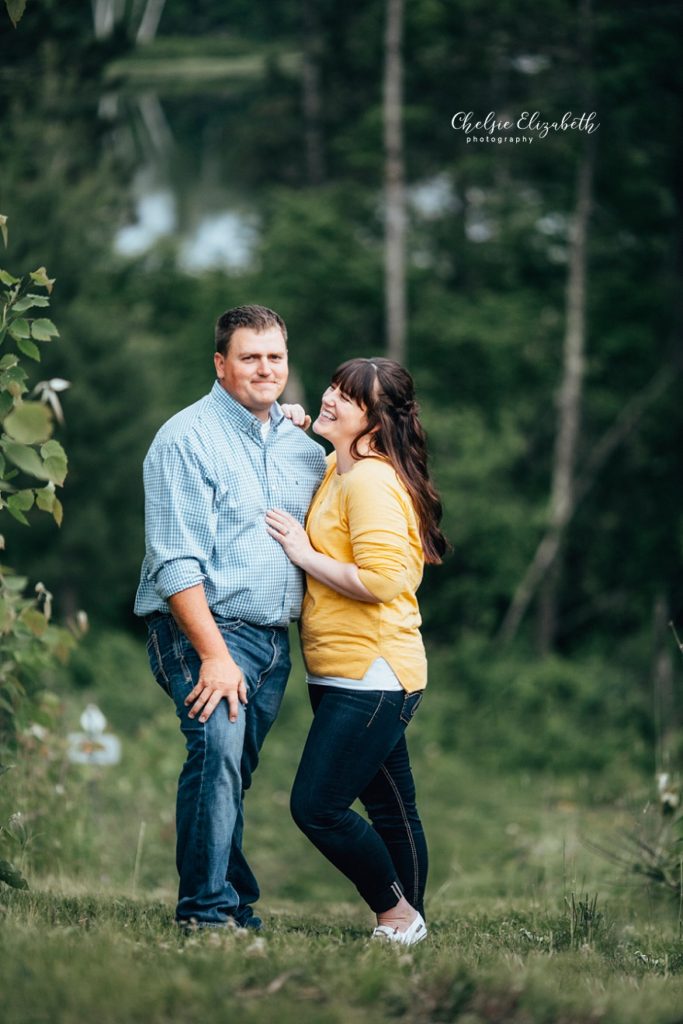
[26, 444]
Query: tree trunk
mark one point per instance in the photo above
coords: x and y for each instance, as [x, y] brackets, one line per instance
[546, 552]
[563, 488]
[563, 492]
[157, 136]
[562, 495]
[662, 684]
[150, 21]
[311, 98]
[103, 16]
[394, 186]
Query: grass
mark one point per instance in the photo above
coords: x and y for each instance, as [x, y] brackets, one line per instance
[74, 958]
[527, 925]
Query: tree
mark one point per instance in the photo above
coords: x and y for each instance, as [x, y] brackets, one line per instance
[394, 186]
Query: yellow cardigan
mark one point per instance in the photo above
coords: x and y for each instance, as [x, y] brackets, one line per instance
[365, 516]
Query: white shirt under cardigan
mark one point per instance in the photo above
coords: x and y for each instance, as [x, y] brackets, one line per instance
[380, 676]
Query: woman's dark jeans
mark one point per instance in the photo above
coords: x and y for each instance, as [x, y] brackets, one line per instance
[356, 749]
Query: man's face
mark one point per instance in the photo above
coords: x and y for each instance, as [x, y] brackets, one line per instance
[254, 371]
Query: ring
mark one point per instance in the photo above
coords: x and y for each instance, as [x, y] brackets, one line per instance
[285, 532]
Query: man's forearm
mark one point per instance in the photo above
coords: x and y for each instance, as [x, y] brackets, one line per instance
[191, 611]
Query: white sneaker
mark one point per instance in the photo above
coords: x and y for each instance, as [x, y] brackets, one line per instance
[415, 932]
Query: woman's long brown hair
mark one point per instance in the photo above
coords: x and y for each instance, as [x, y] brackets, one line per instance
[386, 392]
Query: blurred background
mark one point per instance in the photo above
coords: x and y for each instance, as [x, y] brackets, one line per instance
[167, 160]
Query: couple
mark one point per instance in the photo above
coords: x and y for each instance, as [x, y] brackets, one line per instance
[229, 483]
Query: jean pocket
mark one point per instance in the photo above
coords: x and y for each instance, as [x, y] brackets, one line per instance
[156, 662]
[411, 703]
[228, 625]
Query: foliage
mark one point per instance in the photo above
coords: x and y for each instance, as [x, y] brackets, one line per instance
[64, 210]
[27, 424]
[510, 709]
[651, 849]
[29, 643]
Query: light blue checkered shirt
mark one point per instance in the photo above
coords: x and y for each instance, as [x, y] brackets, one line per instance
[209, 479]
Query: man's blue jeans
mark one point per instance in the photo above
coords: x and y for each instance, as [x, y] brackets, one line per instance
[216, 882]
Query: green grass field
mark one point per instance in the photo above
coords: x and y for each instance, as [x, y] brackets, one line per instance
[515, 934]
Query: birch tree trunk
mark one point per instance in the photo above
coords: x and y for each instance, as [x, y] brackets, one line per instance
[150, 21]
[103, 16]
[563, 490]
[570, 399]
[623, 426]
[394, 186]
[563, 487]
[546, 566]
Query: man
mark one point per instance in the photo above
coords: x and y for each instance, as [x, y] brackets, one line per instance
[218, 593]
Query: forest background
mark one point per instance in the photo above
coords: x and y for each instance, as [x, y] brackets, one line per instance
[168, 160]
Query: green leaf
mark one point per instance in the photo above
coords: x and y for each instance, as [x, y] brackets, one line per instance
[3, 228]
[28, 301]
[56, 464]
[9, 874]
[52, 448]
[15, 9]
[9, 360]
[27, 459]
[40, 277]
[22, 500]
[29, 423]
[15, 583]
[43, 329]
[7, 278]
[17, 514]
[12, 380]
[55, 469]
[28, 348]
[6, 403]
[34, 620]
[6, 615]
[45, 498]
[19, 328]
[58, 512]
[14, 373]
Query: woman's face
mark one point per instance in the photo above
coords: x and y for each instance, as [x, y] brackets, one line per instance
[341, 418]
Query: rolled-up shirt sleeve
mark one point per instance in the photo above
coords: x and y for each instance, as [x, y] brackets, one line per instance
[180, 519]
[378, 528]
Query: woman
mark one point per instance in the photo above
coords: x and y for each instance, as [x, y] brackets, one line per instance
[371, 526]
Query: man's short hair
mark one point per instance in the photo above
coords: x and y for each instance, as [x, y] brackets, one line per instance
[256, 318]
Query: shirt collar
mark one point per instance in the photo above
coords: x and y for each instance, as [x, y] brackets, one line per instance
[241, 417]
